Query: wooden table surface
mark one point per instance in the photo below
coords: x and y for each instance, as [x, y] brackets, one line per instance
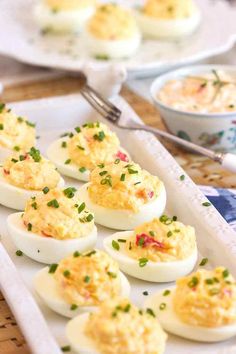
[201, 170]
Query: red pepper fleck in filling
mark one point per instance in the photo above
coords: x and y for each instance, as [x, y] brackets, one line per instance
[150, 194]
[47, 235]
[145, 240]
[6, 172]
[122, 156]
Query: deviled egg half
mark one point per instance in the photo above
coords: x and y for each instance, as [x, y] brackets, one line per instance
[117, 327]
[16, 133]
[123, 195]
[54, 224]
[80, 283]
[161, 250]
[168, 19]
[201, 307]
[112, 32]
[63, 16]
[24, 175]
[76, 155]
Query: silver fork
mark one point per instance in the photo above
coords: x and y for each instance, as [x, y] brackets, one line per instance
[112, 113]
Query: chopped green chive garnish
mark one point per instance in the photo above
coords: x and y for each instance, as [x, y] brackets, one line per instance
[66, 349]
[70, 192]
[174, 218]
[2, 106]
[53, 203]
[1, 126]
[53, 268]
[135, 184]
[214, 291]
[115, 245]
[169, 233]
[131, 171]
[193, 282]
[82, 169]
[67, 162]
[225, 273]
[150, 312]
[117, 161]
[34, 205]
[20, 119]
[101, 165]
[166, 220]
[206, 204]
[29, 226]
[130, 246]
[35, 154]
[81, 207]
[30, 124]
[66, 273]
[166, 292]
[45, 190]
[89, 217]
[162, 306]
[112, 274]
[142, 262]
[16, 148]
[141, 241]
[19, 253]
[127, 308]
[145, 293]
[78, 130]
[73, 307]
[90, 253]
[86, 279]
[106, 180]
[121, 240]
[80, 147]
[100, 136]
[22, 157]
[76, 254]
[64, 144]
[203, 261]
[182, 177]
[14, 160]
[151, 233]
[122, 177]
[209, 281]
[103, 173]
[231, 105]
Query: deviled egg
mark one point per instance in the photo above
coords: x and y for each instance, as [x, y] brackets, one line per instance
[63, 16]
[16, 133]
[169, 19]
[123, 195]
[80, 283]
[76, 155]
[54, 224]
[25, 175]
[112, 32]
[117, 327]
[201, 307]
[161, 250]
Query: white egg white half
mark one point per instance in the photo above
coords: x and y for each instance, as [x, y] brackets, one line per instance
[153, 271]
[47, 288]
[58, 155]
[113, 49]
[124, 219]
[78, 340]
[14, 197]
[46, 249]
[167, 29]
[173, 324]
[62, 21]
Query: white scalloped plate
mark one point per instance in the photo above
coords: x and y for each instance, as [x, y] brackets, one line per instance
[20, 38]
[216, 240]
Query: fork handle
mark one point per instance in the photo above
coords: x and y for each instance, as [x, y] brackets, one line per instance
[227, 160]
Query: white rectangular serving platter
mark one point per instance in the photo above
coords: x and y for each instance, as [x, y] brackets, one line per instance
[216, 240]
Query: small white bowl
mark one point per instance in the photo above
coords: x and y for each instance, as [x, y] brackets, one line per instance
[216, 131]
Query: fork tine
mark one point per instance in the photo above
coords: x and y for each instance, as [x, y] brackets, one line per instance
[103, 106]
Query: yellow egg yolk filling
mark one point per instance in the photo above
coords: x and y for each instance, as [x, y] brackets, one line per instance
[30, 171]
[69, 5]
[16, 132]
[123, 186]
[120, 327]
[112, 22]
[58, 214]
[94, 143]
[169, 9]
[206, 298]
[161, 240]
[88, 279]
